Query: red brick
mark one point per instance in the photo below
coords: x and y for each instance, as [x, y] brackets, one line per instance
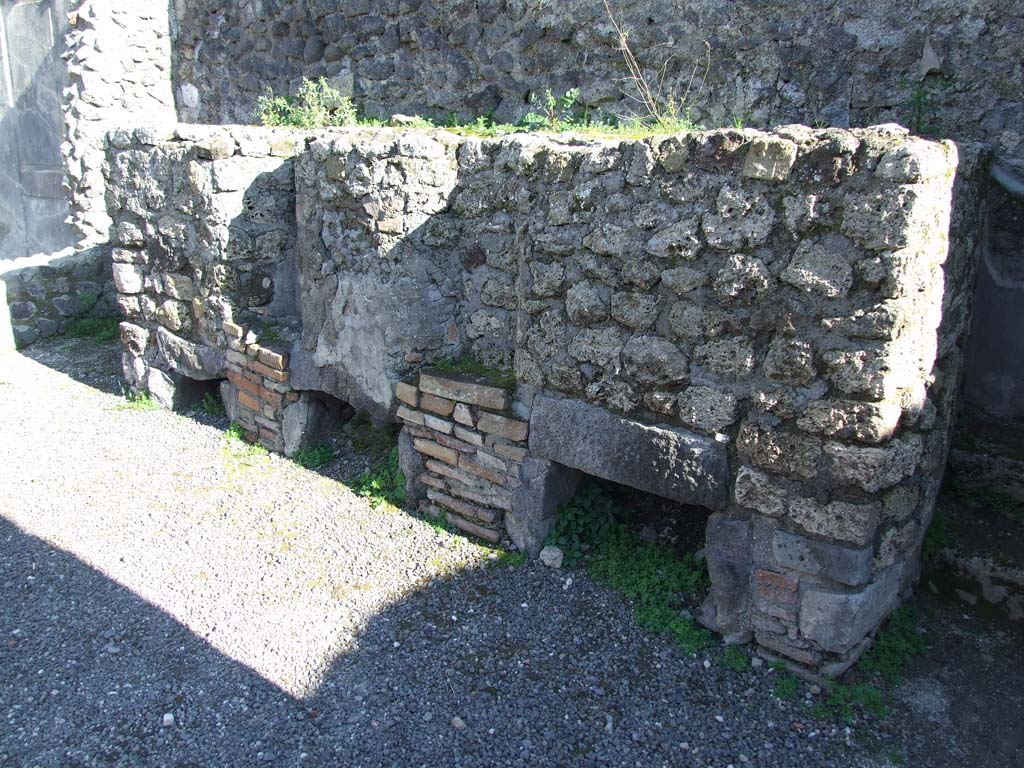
[430, 448]
[265, 370]
[244, 398]
[271, 398]
[274, 359]
[244, 384]
[777, 580]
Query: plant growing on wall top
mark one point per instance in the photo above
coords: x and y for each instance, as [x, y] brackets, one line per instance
[316, 105]
[661, 108]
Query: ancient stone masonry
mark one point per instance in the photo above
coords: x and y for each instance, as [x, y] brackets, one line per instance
[468, 444]
[45, 293]
[119, 66]
[203, 225]
[944, 66]
[768, 325]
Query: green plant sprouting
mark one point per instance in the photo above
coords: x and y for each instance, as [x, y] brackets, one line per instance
[98, 329]
[315, 105]
[383, 484]
[922, 103]
[138, 401]
[314, 457]
[211, 405]
[583, 523]
[504, 378]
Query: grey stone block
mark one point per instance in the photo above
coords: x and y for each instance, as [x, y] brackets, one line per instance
[661, 459]
[728, 552]
[546, 486]
[196, 361]
[412, 465]
[837, 621]
[818, 558]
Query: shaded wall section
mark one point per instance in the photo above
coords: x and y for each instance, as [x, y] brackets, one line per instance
[33, 203]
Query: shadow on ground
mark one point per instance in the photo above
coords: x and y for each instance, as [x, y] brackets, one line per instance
[478, 666]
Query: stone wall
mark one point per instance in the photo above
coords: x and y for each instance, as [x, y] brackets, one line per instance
[119, 67]
[769, 325]
[47, 292]
[33, 206]
[204, 234]
[832, 62]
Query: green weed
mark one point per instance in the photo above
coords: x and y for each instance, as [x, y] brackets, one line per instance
[384, 484]
[503, 378]
[786, 684]
[508, 559]
[655, 579]
[936, 539]
[316, 105]
[735, 658]
[583, 523]
[211, 405]
[138, 401]
[997, 501]
[894, 647]
[314, 457]
[238, 449]
[96, 328]
[844, 700]
[368, 439]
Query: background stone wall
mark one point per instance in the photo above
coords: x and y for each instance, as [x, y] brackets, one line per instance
[33, 203]
[119, 70]
[778, 317]
[204, 220]
[819, 62]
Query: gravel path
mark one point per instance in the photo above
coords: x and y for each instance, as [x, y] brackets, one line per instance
[164, 603]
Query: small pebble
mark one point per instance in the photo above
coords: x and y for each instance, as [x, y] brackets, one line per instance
[168, 720]
[458, 723]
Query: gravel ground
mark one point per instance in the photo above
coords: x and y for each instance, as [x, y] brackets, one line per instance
[164, 603]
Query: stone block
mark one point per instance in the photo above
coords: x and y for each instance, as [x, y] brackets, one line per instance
[661, 459]
[770, 159]
[502, 426]
[729, 562]
[779, 451]
[654, 361]
[438, 425]
[821, 268]
[464, 389]
[409, 416]
[430, 448]
[545, 487]
[439, 405]
[755, 490]
[818, 558]
[197, 361]
[129, 278]
[837, 520]
[463, 415]
[866, 422]
[407, 393]
[706, 408]
[487, 534]
[837, 621]
[471, 511]
[871, 468]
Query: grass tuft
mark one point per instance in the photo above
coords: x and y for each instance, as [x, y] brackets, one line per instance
[99, 329]
[899, 642]
[503, 378]
[314, 457]
[735, 658]
[211, 405]
[383, 484]
[138, 401]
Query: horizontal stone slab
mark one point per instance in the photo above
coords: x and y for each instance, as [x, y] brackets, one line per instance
[818, 558]
[464, 389]
[658, 458]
